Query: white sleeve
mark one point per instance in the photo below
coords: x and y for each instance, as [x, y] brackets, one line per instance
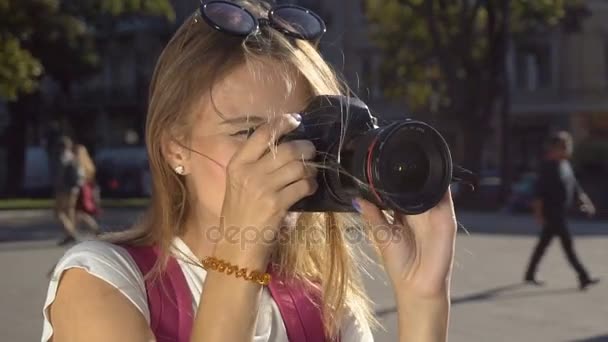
[355, 331]
[106, 261]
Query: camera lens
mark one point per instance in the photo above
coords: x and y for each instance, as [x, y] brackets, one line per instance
[406, 167]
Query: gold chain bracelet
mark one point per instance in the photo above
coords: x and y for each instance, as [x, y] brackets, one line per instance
[215, 264]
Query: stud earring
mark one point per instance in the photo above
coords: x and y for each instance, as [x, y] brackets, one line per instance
[180, 170]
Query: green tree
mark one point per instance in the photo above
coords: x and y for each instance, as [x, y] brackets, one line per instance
[48, 37]
[55, 39]
[454, 51]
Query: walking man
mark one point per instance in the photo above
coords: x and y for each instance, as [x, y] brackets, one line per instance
[556, 191]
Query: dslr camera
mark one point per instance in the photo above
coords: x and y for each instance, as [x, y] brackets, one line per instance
[404, 166]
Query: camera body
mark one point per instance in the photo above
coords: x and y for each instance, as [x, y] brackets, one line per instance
[329, 122]
[404, 166]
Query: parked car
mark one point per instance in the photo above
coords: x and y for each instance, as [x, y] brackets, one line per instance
[123, 172]
[488, 187]
[37, 179]
[522, 193]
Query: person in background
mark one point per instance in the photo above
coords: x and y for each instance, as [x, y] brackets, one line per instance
[67, 183]
[556, 191]
[87, 206]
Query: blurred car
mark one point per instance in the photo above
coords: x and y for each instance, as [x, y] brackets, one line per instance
[123, 172]
[489, 185]
[488, 192]
[522, 193]
[37, 179]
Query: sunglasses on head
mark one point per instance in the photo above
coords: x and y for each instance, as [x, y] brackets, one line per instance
[291, 20]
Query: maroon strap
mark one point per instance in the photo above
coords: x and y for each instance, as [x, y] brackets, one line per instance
[169, 297]
[170, 302]
[301, 313]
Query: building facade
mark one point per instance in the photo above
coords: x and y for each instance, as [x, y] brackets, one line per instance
[113, 102]
[560, 81]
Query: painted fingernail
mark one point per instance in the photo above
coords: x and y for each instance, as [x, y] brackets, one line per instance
[356, 205]
[297, 116]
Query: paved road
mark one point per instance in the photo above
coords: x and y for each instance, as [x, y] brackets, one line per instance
[489, 302]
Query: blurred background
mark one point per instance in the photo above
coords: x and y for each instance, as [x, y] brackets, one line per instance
[496, 77]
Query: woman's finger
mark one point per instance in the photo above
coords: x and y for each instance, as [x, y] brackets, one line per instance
[297, 150]
[446, 200]
[266, 135]
[381, 229]
[370, 212]
[297, 191]
[291, 173]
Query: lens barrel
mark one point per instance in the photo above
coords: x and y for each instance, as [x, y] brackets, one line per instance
[405, 166]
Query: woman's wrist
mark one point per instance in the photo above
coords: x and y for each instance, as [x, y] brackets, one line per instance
[423, 318]
[418, 303]
[254, 258]
[226, 301]
[419, 290]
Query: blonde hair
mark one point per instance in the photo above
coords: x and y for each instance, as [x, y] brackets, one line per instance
[194, 57]
[84, 160]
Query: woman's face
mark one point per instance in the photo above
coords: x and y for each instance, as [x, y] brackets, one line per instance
[245, 98]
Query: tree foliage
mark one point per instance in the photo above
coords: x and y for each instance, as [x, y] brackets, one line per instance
[449, 56]
[453, 45]
[57, 38]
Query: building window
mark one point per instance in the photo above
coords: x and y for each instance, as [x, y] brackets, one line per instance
[533, 67]
[363, 9]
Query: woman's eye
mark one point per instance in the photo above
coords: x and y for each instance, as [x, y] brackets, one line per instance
[245, 132]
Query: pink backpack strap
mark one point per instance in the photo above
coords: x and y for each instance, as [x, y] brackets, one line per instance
[300, 310]
[169, 297]
[170, 302]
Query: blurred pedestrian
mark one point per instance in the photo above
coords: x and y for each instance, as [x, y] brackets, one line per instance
[67, 183]
[87, 205]
[556, 191]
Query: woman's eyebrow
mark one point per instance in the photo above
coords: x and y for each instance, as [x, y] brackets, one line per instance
[244, 119]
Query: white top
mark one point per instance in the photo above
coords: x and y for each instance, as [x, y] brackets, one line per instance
[114, 265]
[569, 179]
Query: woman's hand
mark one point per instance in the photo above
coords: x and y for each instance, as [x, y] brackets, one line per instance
[417, 250]
[263, 181]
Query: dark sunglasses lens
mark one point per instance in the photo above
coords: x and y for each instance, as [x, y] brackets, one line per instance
[229, 17]
[299, 21]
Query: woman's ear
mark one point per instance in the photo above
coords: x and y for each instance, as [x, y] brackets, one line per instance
[177, 156]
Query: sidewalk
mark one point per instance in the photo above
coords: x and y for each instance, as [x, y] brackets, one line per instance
[39, 224]
[521, 224]
[489, 301]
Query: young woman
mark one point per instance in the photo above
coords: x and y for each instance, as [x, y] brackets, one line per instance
[87, 207]
[220, 78]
